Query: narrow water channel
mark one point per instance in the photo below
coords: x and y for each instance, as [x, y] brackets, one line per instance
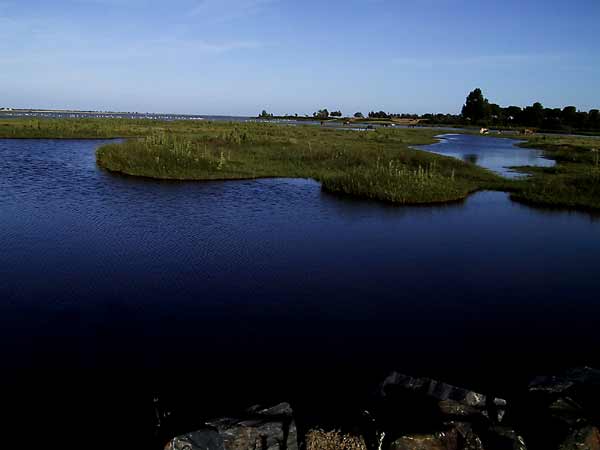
[496, 154]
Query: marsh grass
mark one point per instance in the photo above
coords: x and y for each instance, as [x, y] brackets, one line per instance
[575, 180]
[73, 128]
[379, 164]
[400, 183]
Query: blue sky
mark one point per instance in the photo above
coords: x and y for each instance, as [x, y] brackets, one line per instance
[240, 56]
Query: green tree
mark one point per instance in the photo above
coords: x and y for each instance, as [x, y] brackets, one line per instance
[569, 116]
[496, 113]
[533, 116]
[476, 107]
[336, 114]
[359, 115]
[513, 114]
[594, 119]
[321, 114]
[552, 119]
[379, 115]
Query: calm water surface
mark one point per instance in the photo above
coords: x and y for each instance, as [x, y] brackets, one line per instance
[273, 283]
[496, 154]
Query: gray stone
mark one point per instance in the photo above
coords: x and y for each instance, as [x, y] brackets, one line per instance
[459, 437]
[452, 400]
[205, 439]
[259, 429]
[437, 441]
[572, 378]
[454, 408]
[571, 397]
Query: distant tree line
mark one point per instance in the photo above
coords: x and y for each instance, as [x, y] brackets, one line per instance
[478, 110]
[324, 114]
[265, 115]
[379, 115]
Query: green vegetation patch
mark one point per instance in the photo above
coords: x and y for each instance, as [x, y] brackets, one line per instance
[401, 183]
[73, 128]
[574, 182]
[376, 164]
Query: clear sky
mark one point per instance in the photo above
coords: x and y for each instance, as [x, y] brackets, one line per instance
[240, 56]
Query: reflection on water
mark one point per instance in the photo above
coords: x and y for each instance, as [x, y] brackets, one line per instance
[471, 158]
[496, 154]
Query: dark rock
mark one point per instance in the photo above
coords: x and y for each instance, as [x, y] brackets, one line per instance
[451, 400]
[205, 439]
[432, 388]
[571, 397]
[259, 429]
[467, 438]
[502, 438]
[568, 411]
[573, 378]
[580, 388]
[454, 408]
[437, 441]
[459, 437]
[556, 407]
[587, 438]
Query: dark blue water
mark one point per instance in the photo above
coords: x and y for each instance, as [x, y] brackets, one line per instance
[496, 154]
[217, 291]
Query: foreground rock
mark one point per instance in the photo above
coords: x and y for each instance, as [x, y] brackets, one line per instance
[443, 399]
[458, 437]
[563, 411]
[426, 414]
[259, 429]
[573, 397]
[559, 412]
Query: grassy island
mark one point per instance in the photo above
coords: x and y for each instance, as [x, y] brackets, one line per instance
[379, 164]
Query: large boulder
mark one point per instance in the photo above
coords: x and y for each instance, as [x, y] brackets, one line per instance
[446, 399]
[436, 441]
[459, 436]
[572, 379]
[561, 411]
[203, 439]
[573, 396]
[258, 429]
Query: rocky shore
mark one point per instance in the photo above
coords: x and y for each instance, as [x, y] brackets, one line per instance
[558, 412]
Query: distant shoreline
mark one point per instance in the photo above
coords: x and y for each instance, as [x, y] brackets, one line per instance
[67, 111]
[116, 114]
